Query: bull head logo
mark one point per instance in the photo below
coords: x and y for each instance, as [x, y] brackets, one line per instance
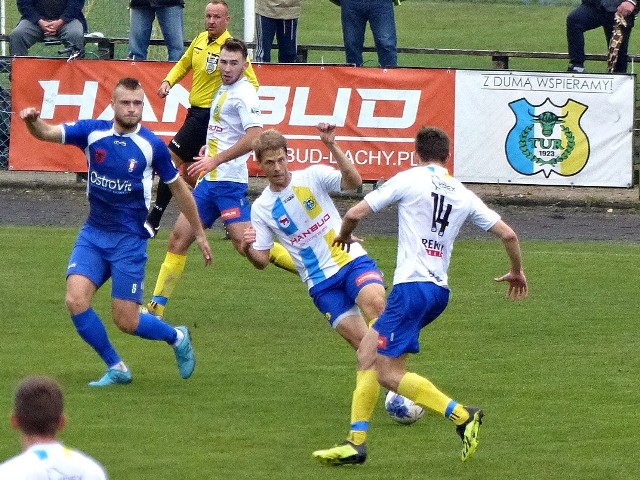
[547, 138]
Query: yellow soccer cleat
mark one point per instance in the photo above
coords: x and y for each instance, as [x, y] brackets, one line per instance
[468, 432]
[346, 453]
[154, 308]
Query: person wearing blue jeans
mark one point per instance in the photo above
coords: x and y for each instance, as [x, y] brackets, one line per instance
[591, 14]
[42, 20]
[380, 15]
[277, 19]
[171, 19]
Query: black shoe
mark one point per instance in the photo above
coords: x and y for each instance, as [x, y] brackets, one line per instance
[153, 220]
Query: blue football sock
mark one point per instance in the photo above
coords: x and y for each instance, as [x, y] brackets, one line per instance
[92, 331]
[151, 327]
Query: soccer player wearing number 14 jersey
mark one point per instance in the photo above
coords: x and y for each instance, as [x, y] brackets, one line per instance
[432, 206]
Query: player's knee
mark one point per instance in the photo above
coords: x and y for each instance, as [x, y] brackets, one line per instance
[376, 306]
[76, 303]
[387, 379]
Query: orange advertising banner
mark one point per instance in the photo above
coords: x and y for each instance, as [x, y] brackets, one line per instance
[377, 111]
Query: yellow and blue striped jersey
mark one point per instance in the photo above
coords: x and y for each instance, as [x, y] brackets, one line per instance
[305, 220]
[235, 109]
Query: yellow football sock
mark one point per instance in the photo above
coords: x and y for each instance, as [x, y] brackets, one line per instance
[170, 272]
[280, 257]
[425, 393]
[365, 398]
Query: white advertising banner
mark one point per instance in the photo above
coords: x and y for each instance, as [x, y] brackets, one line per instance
[543, 128]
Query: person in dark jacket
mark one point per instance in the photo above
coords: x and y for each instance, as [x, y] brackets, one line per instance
[171, 20]
[591, 14]
[42, 19]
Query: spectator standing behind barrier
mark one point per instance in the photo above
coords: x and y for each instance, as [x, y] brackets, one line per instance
[591, 14]
[201, 57]
[42, 19]
[379, 13]
[279, 19]
[171, 20]
[39, 415]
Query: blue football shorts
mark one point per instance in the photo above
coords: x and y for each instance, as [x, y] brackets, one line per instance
[99, 255]
[410, 307]
[222, 199]
[336, 296]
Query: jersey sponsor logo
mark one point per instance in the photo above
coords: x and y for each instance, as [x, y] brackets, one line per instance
[215, 128]
[547, 138]
[284, 221]
[312, 230]
[383, 341]
[230, 214]
[440, 184]
[100, 155]
[433, 247]
[368, 277]
[116, 185]
[122, 143]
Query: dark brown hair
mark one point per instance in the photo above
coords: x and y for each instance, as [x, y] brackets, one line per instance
[39, 406]
[432, 144]
[235, 45]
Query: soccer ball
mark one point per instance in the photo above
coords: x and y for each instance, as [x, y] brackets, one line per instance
[401, 409]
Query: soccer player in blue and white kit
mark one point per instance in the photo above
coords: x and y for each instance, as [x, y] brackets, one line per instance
[121, 155]
[432, 207]
[38, 415]
[296, 208]
[221, 191]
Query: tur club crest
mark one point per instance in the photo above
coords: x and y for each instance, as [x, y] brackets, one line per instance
[547, 138]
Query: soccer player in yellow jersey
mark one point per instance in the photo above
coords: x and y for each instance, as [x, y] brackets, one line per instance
[201, 58]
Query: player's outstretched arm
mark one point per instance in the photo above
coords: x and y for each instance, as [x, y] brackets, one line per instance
[204, 164]
[351, 179]
[518, 286]
[182, 193]
[39, 128]
[258, 258]
[349, 223]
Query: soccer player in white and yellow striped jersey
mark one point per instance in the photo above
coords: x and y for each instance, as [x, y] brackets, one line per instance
[432, 206]
[296, 209]
[221, 192]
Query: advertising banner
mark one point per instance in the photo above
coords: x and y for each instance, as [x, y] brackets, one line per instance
[377, 111]
[543, 128]
[505, 126]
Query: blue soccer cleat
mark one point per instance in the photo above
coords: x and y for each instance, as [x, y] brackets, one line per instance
[113, 377]
[184, 354]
